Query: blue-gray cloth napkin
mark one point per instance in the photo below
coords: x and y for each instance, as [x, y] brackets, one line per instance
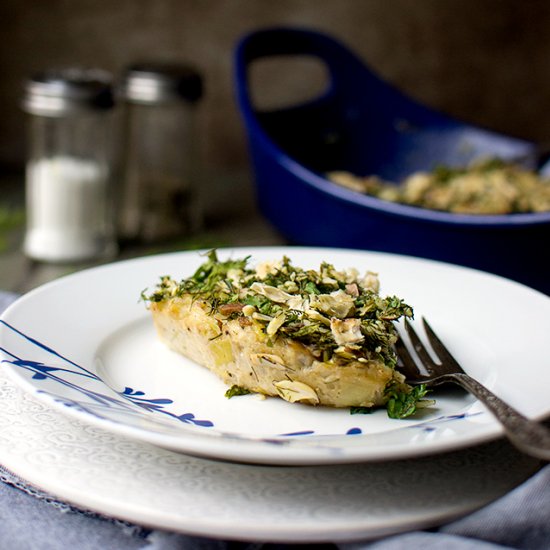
[30, 519]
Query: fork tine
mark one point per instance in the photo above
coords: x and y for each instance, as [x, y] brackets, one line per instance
[424, 356]
[442, 352]
[407, 365]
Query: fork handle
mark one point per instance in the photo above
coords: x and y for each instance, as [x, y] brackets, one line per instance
[527, 435]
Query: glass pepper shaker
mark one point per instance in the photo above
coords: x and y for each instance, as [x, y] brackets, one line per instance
[68, 195]
[159, 197]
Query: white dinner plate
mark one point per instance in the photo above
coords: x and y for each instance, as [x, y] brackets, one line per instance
[144, 484]
[85, 344]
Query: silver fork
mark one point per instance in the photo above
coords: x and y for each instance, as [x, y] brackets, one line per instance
[527, 435]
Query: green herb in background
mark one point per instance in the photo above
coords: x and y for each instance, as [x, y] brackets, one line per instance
[10, 219]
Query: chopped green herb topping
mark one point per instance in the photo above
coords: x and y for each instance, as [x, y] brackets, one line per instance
[405, 403]
[236, 390]
[401, 403]
[361, 410]
[338, 315]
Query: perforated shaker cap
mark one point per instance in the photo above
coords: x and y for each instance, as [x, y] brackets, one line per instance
[63, 91]
[150, 83]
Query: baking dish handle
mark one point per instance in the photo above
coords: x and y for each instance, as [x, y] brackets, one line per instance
[344, 67]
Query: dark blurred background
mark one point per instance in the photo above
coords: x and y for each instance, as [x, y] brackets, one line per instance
[484, 61]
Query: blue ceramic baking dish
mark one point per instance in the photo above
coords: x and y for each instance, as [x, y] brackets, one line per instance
[364, 125]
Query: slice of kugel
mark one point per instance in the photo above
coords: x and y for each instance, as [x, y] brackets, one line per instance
[319, 337]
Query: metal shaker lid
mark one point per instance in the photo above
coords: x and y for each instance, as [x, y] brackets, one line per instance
[150, 83]
[64, 91]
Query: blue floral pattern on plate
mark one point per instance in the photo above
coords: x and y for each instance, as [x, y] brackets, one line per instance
[132, 399]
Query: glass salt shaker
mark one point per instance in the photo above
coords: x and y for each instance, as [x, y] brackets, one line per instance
[68, 195]
[159, 170]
